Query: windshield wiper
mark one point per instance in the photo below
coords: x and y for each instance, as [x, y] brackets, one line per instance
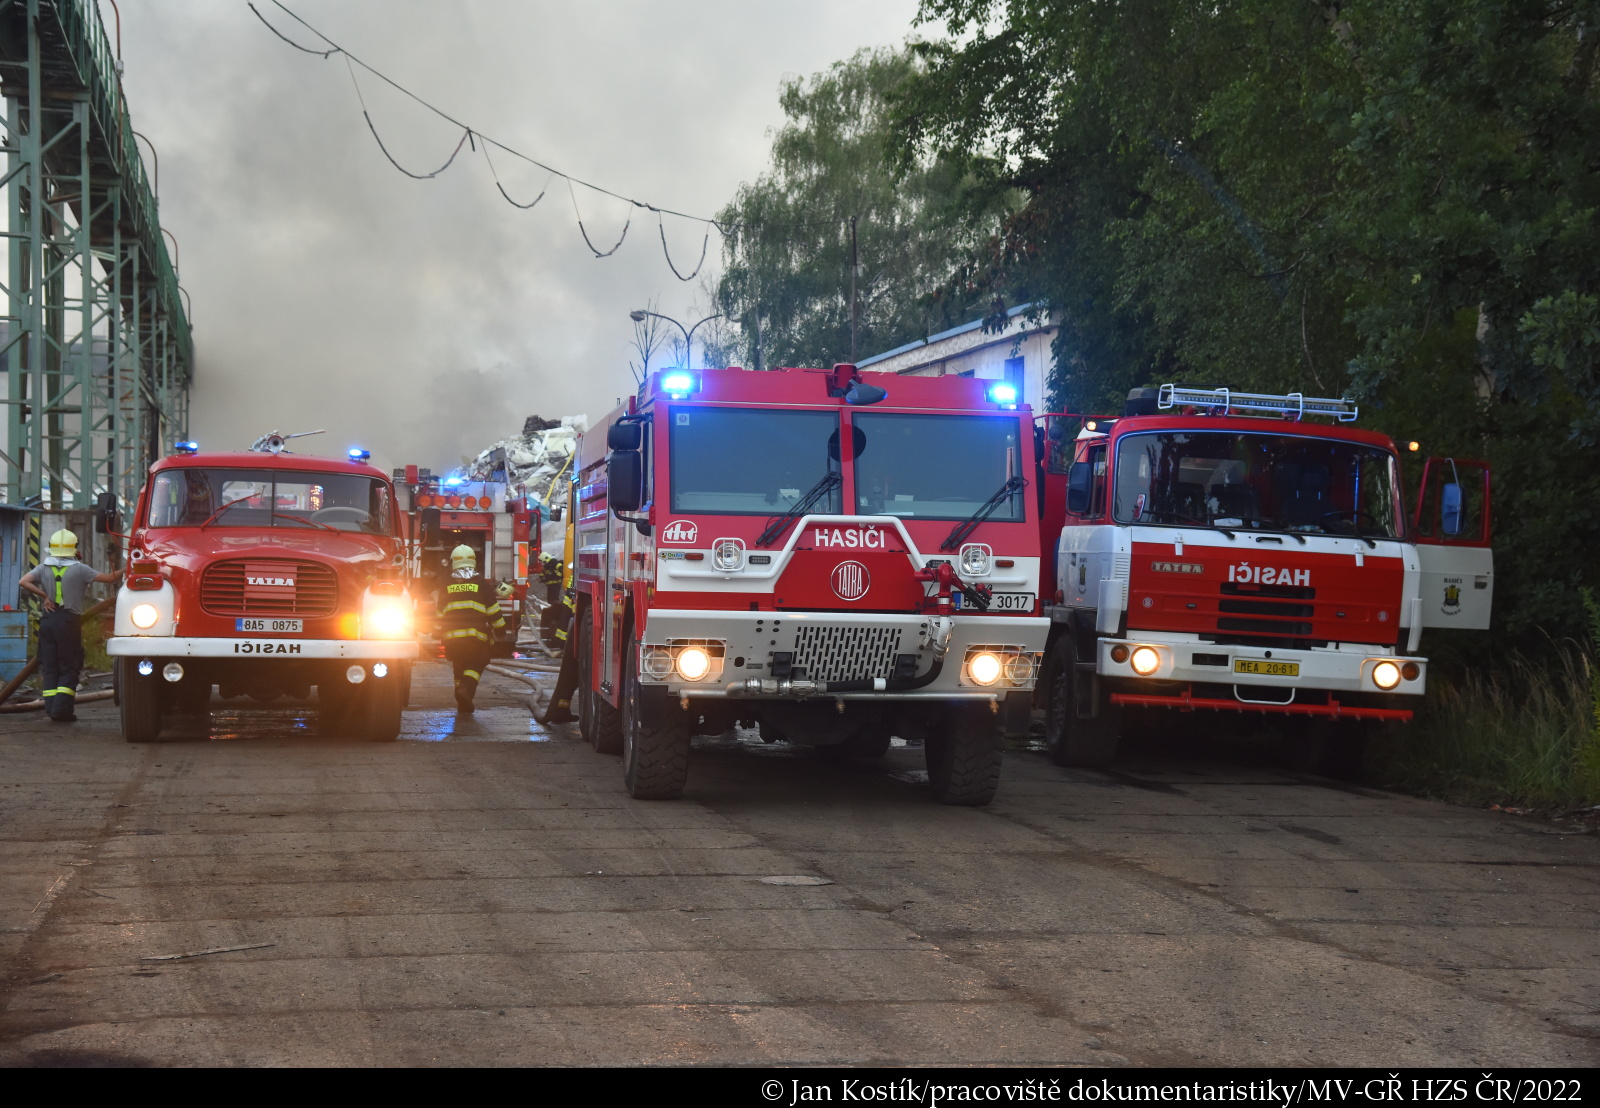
[307, 521]
[778, 526]
[212, 517]
[953, 540]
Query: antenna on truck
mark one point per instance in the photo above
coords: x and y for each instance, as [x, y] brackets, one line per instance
[273, 443]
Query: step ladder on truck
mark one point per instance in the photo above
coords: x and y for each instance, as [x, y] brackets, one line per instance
[836, 560]
[1244, 552]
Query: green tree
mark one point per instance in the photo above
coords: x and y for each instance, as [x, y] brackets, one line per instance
[787, 278]
[1391, 198]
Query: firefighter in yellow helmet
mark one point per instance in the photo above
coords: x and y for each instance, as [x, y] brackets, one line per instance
[61, 581]
[469, 619]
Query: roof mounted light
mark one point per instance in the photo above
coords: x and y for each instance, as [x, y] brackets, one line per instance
[678, 384]
[1224, 401]
[358, 455]
[1003, 394]
[188, 447]
[860, 394]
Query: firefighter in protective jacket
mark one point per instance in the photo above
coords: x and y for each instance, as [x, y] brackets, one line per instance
[62, 581]
[469, 620]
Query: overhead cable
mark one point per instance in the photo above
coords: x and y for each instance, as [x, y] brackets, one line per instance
[466, 135]
[582, 231]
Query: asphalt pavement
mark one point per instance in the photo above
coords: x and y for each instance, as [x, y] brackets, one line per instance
[483, 892]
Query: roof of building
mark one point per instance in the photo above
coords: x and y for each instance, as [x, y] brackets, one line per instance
[1011, 313]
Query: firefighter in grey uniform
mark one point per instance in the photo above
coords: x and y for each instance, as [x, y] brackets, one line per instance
[62, 581]
[469, 619]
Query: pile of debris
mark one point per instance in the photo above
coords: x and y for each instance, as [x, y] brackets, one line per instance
[534, 459]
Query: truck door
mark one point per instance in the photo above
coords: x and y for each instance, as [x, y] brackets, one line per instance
[1450, 528]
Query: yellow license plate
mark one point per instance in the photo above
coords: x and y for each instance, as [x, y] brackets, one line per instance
[1265, 668]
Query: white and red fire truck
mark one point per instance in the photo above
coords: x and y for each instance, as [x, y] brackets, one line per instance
[1221, 550]
[499, 521]
[807, 550]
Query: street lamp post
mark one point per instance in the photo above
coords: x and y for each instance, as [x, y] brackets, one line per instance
[688, 335]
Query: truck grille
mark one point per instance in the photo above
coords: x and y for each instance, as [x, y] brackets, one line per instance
[1277, 602]
[845, 653]
[225, 590]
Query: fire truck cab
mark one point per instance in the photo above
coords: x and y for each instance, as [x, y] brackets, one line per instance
[1219, 550]
[264, 573]
[836, 560]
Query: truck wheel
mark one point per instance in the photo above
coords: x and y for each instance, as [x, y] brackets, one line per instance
[384, 702]
[140, 703]
[655, 738]
[963, 755]
[1072, 739]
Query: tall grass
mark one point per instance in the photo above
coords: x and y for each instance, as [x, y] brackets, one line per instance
[1526, 734]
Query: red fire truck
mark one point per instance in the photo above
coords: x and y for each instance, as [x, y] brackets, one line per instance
[264, 573]
[499, 521]
[1219, 550]
[837, 561]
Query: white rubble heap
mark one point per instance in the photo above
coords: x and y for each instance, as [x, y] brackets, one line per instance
[534, 459]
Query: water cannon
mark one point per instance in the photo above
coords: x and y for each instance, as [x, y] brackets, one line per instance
[273, 443]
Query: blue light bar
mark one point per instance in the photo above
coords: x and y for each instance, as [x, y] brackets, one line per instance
[186, 448]
[359, 455]
[1003, 393]
[677, 384]
[452, 480]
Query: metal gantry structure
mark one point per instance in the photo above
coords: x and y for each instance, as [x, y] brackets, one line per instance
[96, 346]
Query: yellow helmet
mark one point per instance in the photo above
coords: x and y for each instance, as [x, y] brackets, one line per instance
[63, 544]
[504, 590]
[463, 557]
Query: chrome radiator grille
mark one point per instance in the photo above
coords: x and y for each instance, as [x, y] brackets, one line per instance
[845, 653]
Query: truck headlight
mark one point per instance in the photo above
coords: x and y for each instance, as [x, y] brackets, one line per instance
[727, 554]
[1386, 675]
[655, 662]
[1145, 660]
[984, 667]
[1019, 668]
[693, 663]
[976, 560]
[144, 616]
[389, 621]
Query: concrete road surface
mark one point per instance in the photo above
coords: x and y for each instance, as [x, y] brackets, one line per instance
[484, 893]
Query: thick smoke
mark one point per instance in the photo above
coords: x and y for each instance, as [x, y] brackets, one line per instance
[424, 319]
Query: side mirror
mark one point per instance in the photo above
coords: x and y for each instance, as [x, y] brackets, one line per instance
[429, 519]
[624, 436]
[625, 480]
[1080, 487]
[1450, 509]
[106, 515]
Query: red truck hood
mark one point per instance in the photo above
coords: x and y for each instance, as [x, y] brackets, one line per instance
[186, 551]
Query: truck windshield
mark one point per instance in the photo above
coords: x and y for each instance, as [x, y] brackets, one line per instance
[936, 466]
[744, 461]
[1261, 481]
[269, 498]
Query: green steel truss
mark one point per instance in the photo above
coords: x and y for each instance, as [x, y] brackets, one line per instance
[95, 345]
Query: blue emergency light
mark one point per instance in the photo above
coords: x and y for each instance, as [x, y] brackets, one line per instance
[186, 448]
[1004, 394]
[358, 455]
[677, 385]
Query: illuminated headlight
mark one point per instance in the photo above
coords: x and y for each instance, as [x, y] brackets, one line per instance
[976, 560]
[655, 662]
[1145, 660]
[984, 667]
[727, 554]
[388, 621]
[144, 616]
[693, 663]
[1386, 675]
[379, 669]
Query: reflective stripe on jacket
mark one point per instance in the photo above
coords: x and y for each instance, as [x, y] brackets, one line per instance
[469, 610]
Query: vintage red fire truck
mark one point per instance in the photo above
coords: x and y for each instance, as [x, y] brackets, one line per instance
[499, 521]
[836, 560]
[1226, 550]
[265, 573]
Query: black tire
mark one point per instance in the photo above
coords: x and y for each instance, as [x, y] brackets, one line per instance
[655, 738]
[1071, 738]
[385, 700]
[140, 703]
[964, 756]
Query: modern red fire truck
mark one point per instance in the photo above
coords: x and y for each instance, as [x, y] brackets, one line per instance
[265, 573]
[837, 561]
[499, 521]
[1221, 550]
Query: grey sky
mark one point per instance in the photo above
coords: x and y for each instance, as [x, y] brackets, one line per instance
[424, 319]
